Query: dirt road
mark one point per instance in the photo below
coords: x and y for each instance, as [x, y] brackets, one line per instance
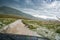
[19, 28]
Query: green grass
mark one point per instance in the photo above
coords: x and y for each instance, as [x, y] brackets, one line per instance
[6, 21]
[52, 26]
[58, 31]
[33, 24]
[32, 27]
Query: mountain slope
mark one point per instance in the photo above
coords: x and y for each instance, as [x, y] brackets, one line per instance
[11, 11]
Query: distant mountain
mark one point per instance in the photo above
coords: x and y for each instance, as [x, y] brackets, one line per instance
[12, 11]
[35, 7]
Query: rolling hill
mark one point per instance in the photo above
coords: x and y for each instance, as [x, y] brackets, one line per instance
[7, 11]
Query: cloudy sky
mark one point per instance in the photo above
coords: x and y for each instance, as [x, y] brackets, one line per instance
[38, 8]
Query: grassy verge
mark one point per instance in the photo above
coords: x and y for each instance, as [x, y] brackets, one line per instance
[32, 24]
[6, 21]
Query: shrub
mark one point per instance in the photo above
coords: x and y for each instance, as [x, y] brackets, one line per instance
[58, 31]
[32, 27]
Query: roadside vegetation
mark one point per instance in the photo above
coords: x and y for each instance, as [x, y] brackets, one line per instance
[6, 21]
[33, 24]
[47, 29]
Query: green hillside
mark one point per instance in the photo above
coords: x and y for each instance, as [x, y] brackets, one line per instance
[11, 11]
[11, 16]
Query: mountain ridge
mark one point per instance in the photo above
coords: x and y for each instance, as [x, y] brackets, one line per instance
[4, 10]
[11, 11]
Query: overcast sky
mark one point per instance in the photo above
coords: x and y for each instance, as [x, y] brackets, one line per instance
[38, 8]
